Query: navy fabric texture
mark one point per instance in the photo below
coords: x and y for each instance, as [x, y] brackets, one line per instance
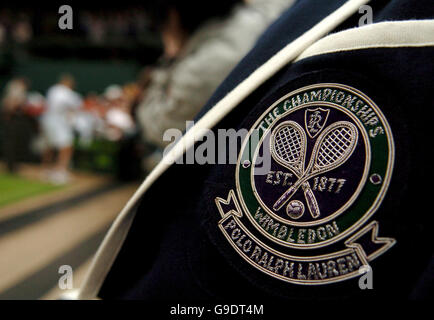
[174, 250]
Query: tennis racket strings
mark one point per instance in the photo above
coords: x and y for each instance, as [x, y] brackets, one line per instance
[333, 147]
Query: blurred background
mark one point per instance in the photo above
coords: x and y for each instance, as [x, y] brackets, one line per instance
[46, 222]
[83, 111]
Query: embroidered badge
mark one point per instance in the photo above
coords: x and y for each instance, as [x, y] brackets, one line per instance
[312, 171]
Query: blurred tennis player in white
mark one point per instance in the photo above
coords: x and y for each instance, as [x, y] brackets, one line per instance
[57, 128]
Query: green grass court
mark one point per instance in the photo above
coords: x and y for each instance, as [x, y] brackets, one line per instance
[14, 188]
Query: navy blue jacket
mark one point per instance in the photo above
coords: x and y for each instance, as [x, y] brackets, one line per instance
[175, 249]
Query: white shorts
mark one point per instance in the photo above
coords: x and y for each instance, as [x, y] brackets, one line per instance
[57, 131]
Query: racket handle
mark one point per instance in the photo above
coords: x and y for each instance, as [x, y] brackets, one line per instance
[312, 204]
[284, 198]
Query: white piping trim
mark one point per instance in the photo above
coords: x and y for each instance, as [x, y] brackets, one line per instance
[113, 241]
[413, 33]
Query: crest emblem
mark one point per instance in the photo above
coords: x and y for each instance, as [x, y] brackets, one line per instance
[315, 120]
[311, 178]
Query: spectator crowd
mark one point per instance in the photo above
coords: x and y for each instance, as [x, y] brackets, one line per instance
[63, 116]
[97, 26]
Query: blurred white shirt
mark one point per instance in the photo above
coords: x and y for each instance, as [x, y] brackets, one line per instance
[56, 126]
[60, 99]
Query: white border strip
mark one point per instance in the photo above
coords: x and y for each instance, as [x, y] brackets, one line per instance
[394, 34]
[113, 241]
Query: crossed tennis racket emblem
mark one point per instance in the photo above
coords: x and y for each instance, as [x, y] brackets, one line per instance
[332, 149]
